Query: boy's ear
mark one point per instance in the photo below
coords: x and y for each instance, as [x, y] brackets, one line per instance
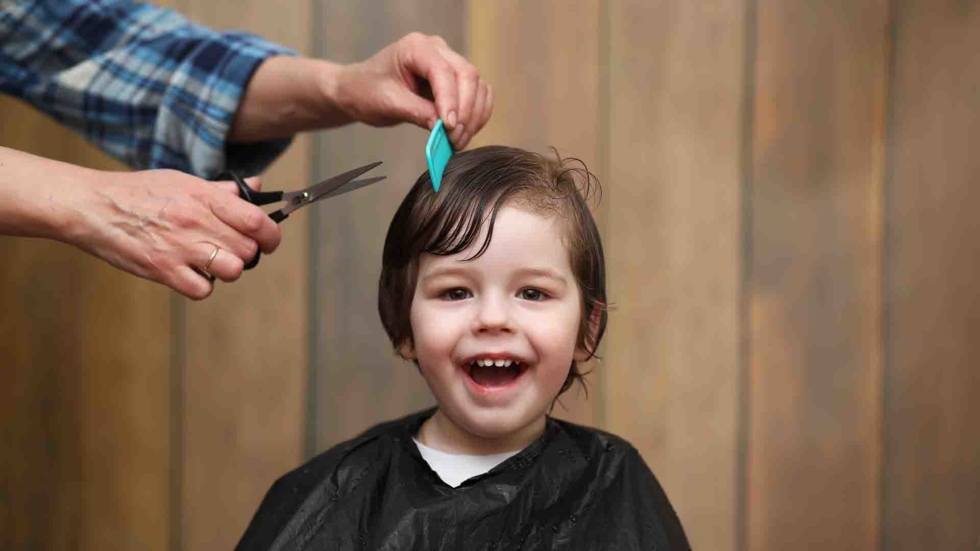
[407, 350]
[595, 318]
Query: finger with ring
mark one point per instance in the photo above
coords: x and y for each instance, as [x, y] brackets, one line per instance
[224, 266]
[211, 259]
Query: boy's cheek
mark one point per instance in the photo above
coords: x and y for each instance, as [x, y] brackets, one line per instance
[560, 325]
[433, 320]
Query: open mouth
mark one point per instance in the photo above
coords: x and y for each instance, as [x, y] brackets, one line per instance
[495, 372]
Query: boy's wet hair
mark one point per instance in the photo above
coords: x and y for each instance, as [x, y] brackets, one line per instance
[475, 185]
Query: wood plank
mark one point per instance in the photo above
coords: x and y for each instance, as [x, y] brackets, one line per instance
[814, 275]
[245, 353]
[932, 452]
[358, 379]
[84, 404]
[673, 237]
[542, 59]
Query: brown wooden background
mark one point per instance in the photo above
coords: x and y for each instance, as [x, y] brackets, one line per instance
[790, 217]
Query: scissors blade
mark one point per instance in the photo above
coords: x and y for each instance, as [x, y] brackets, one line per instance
[331, 184]
[351, 186]
[297, 199]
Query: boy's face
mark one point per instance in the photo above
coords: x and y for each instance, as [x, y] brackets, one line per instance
[517, 304]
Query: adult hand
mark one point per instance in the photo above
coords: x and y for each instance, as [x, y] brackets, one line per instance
[164, 226]
[417, 79]
[161, 225]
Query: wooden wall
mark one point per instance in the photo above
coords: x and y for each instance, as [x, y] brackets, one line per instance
[85, 363]
[751, 158]
[931, 285]
[813, 276]
[243, 352]
[674, 233]
[133, 418]
[789, 197]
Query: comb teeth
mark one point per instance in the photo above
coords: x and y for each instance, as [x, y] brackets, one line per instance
[438, 151]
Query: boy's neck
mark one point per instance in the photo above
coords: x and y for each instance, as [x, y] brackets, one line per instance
[441, 433]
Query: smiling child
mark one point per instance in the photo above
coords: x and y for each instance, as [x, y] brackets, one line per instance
[495, 288]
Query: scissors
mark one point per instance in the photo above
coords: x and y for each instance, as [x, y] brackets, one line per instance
[331, 187]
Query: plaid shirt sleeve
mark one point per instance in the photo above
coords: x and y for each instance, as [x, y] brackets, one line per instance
[141, 82]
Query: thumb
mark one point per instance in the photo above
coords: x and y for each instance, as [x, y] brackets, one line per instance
[255, 182]
[408, 106]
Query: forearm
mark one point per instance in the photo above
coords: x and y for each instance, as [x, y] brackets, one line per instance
[145, 84]
[36, 194]
[288, 95]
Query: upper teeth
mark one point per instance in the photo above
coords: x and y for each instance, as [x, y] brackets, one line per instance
[497, 363]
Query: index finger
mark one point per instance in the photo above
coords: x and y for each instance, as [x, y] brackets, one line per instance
[248, 219]
[467, 82]
[423, 59]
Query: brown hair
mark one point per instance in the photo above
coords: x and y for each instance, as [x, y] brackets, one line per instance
[475, 185]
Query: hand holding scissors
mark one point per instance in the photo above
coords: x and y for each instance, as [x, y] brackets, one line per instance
[332, 187]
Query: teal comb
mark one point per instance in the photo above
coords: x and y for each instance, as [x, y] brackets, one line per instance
[437, 153]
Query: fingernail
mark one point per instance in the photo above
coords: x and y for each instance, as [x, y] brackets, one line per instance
[460, 134]
[451, 119]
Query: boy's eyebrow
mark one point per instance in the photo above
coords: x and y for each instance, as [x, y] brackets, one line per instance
[542, 272]
[462, 270]
[451, 270]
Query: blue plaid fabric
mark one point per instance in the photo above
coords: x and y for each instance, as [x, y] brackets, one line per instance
[143, 83]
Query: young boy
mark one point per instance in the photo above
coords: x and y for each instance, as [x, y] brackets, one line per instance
[495, 288]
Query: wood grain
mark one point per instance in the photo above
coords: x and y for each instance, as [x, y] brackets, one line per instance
[357, 379]
[673, 236]
[84, 404]
[932, 451]
[814, 275]
[765, 209]
[542, 59]
[245, 350]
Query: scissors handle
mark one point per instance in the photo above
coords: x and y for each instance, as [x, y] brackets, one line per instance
[277, 216]
[256, 198]
[296, 199]
[247, 193]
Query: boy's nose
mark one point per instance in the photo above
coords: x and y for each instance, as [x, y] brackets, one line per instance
[493, 315]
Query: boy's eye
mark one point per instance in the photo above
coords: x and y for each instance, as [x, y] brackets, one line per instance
[457, 293]
[533, 294]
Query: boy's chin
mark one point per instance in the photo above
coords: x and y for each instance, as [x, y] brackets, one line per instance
[506, 429]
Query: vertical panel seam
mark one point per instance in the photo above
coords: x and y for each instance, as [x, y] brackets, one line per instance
[884, 257]
[178, 355]
[750, 38]
[317, 48]
[603, 154]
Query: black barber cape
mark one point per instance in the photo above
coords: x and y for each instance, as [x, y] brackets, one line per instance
[573, 488]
